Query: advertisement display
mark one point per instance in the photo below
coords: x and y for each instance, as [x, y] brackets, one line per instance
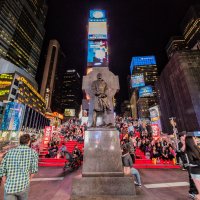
[97, 14]
[69, 113]
[154, 113]
[142, 61]
[146, 91]
[5, 85]
[97, 30]
[137, 80]
[13, 116]
[97, 53]
[155, 130]
[47, 134]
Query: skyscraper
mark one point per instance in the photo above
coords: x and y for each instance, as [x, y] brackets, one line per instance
[190, 38]
[176, 43]
[179, 91]
[51, 64]
[191, 26]
[144, 74]
[71, 95]
[22, 32]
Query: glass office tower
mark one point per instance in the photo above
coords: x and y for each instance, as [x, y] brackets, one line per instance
[22, 32]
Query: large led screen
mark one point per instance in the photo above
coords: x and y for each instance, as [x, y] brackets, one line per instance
[97, 53]
[137, 80]
[154, 113]
[97, 14]
[13, 116]
[97, 30]
[146, 91]
[69, 113]
[5, 85]
[142, 61]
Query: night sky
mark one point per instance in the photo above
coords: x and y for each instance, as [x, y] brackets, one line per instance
[136, 28]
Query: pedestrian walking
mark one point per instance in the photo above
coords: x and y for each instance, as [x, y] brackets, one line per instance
[17, 169]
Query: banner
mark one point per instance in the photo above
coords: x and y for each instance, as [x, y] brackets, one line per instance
[47, 134]
[156, 131]
[154, 113]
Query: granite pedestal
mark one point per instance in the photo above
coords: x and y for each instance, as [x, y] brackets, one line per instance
[102, 173]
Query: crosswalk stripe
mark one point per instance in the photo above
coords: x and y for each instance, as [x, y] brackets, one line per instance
[164, 185]
[48, 179]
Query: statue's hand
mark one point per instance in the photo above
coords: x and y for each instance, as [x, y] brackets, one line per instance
[103, 95]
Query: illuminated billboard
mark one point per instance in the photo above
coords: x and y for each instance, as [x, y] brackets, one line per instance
[5, 85]
[69, 113]
[97, 53]
[97, 30]
[137, 80]
[13, 116]
[146, 91]
[154, 113]
[142, 61]
[97, 15]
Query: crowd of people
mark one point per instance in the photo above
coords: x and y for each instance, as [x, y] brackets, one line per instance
[185, 150]
[134, 136]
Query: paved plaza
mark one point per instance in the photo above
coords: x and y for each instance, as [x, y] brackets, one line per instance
[158, 184]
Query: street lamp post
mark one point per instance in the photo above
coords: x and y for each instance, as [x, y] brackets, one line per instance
[175, 130]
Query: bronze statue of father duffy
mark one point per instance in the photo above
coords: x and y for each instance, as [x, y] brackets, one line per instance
[101, 106]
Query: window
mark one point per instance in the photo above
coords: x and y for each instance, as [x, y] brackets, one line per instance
[16, 82]
[14, 91]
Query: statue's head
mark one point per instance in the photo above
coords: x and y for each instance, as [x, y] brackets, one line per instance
[99, 76]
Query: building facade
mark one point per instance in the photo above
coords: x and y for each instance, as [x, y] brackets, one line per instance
[191, 26]
[176, 43]
[143, 95]
[22, 32]
[71, 93]
[17, 86]
[51, 64]
[179, 86]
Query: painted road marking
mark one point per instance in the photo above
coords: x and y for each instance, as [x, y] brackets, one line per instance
[48, 179]
[164, 185]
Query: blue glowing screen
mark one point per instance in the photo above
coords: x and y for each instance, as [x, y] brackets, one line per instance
[97, 53]
[142, 61]
[13, 116]
[146, 91]
[137, 81]
[97, 14]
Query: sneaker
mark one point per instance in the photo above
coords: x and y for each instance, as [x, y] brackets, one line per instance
[192, 195]
[136, 184]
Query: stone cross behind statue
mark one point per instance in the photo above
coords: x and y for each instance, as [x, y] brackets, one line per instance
[101, 86]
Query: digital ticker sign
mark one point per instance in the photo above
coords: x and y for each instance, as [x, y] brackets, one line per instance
[137, 80]
[145, 91]
[5, 85]
[97, 53]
